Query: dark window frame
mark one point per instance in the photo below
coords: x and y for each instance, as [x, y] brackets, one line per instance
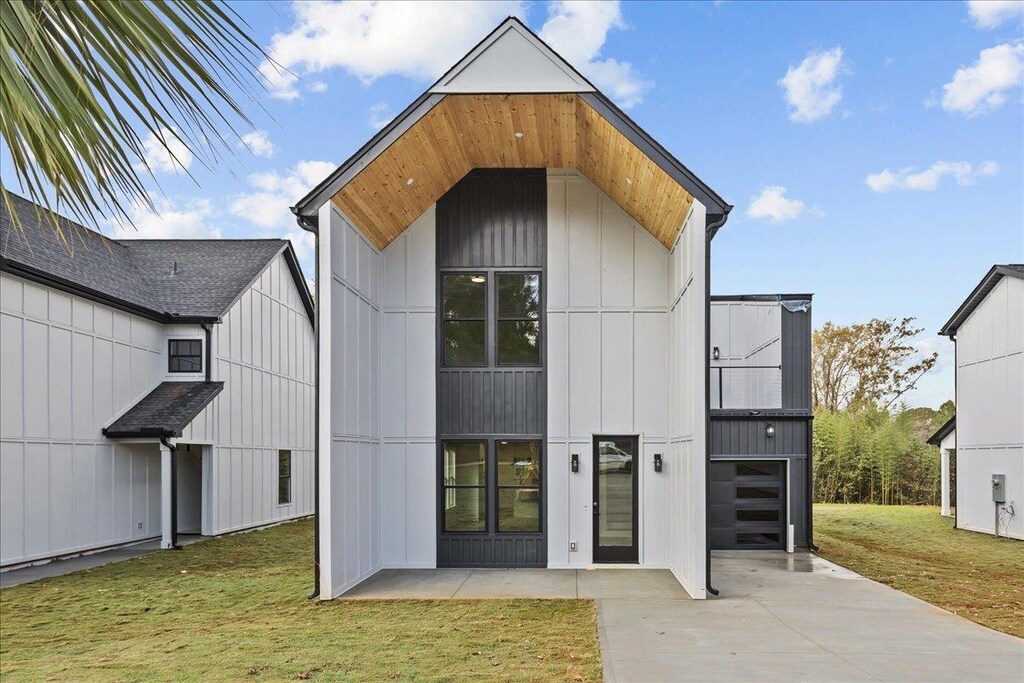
[498, 318]
[284, 456]
[498, 486]
[445, 487]
[444, 275]
[173, 356]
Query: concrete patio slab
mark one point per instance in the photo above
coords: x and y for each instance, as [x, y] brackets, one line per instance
[410, 584]
[519, 583]
[641, 584]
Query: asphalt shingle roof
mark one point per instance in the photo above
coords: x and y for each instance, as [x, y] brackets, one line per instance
[165, 411]
[166, 279]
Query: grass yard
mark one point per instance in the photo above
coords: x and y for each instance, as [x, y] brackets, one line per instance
[234, 608]
[916, 550]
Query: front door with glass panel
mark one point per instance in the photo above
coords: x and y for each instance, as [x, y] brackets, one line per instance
[615, 499]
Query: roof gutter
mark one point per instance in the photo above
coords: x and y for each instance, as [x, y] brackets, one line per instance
[711, 224]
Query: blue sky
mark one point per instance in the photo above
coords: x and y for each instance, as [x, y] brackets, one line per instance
[873, 151]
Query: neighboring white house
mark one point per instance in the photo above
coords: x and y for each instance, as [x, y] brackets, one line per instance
[987, 433]
[115, 352]
[513, 297]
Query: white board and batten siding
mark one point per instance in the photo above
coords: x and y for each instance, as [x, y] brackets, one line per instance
[263, 351]
[623, 318]
[68, 367]
[990, 406]
[348, 294]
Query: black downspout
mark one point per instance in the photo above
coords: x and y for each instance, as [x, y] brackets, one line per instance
[174, 492]
[711, 227]
[309, 224]
[209, 351]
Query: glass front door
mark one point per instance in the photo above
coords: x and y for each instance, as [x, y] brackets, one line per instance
[615, 499]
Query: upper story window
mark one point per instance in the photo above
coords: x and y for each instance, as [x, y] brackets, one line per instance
[518, 326]
[185, 355]
[465, 318]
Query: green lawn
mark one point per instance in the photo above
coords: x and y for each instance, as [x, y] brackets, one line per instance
[235, 609]
[916, 550]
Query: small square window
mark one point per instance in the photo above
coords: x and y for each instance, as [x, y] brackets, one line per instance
[185, 355]
[284, 477]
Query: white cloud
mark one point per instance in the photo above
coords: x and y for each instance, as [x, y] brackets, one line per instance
[577, 31]
[927, 180]
[811, 88]
[258, 143]
[418, 40]
[167, 221]
[992, 13]
[773, 204]
[982, 86]
[317, 86]
[166, 153]
[380, 115]
[268, 205]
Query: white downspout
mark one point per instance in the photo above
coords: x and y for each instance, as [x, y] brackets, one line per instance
[944, 455]
[166, 494]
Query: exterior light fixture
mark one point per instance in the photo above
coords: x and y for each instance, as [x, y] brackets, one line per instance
[519, 134]
[657, 462]
[410, 181]
[716, 353]
[574, 463]
[769, 430]
[478, 279]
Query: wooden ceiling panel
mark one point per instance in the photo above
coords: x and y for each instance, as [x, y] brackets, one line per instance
[463, 132]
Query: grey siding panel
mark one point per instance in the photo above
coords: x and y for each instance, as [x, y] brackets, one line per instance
[796, 360]
[747, 437]
[481, 402]
[494, 218]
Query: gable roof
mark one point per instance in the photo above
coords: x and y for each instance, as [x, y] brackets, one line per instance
[987, 284]
[511, 102]
[165, 411]
[943, 431]
[164, 280]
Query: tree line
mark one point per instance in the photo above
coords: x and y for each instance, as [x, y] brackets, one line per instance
[868, 446]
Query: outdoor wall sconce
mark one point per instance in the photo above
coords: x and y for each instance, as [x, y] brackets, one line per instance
[716, 353]
[769, 430]
[574, 464]
[657, 462]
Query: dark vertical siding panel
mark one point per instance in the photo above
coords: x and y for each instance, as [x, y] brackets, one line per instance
[796, 360]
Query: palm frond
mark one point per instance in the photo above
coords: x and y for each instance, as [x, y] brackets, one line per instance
[84, 82]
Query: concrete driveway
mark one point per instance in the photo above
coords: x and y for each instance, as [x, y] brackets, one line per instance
[798, 618]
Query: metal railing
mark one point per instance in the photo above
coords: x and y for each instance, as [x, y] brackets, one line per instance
[755, 387]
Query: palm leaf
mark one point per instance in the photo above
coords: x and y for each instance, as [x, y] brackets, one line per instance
[82, 83]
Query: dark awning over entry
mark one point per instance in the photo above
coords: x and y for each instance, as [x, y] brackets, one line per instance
[165, 411]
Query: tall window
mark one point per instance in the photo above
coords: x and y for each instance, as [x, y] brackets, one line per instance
[185, 355]
[284, 477]
[519, 467]
[465, 318]
[465, 486]
[518, 331]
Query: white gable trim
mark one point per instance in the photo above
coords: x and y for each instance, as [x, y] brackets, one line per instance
[512, 60]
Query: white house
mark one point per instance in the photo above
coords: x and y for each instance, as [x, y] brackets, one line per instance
[987, 433]
[513, 302]
[148, 387]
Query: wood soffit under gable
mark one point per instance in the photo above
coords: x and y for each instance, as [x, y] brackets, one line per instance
[463, 132]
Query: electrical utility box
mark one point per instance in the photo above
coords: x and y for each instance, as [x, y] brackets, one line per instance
[998, 488]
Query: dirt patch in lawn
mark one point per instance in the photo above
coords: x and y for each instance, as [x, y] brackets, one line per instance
[234, 609]
[918, 551]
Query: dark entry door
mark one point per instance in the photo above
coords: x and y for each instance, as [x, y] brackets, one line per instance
[748, 504]
[615, 499]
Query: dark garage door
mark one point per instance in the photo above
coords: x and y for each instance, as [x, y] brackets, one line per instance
[748, 504]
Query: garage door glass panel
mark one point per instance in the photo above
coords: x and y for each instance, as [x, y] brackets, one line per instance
[757, 515]
[757, 491]
[757, 469]
[756, 539]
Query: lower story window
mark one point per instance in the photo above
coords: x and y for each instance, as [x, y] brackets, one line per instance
[519, 467]
[465, 486]
[284, 477]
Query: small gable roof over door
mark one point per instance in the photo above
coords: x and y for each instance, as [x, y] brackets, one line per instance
[512, 102]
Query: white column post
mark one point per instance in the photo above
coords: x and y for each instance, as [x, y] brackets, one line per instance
[944, 455]
[165, 498]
